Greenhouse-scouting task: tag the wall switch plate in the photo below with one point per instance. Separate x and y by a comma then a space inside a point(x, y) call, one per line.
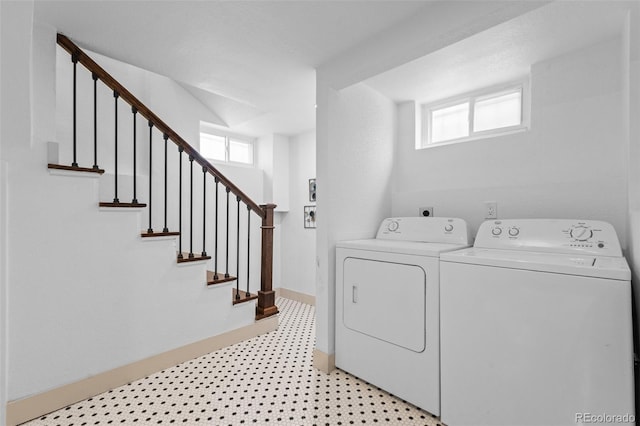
point(490, 210)
point(425, 211)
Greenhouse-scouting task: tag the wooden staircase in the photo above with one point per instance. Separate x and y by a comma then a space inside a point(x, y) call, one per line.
point(265, 297)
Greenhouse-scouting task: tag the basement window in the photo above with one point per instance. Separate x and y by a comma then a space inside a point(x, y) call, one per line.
point(483, 114)
point(227, 149)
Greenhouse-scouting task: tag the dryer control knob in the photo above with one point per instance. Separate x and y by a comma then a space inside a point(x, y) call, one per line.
point(496, 231)
point(393, 226)
point(514, 232)
point(448, 228)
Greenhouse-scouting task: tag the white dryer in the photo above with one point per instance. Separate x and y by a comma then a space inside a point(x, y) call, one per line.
point(536, 326)
point(387, 306)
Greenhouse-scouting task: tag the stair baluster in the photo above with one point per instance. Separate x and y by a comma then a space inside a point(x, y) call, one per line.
point(238, 251)
point(204, 211)
point(134, 110)
point(94, 76)
point(166, 139)
point(226, 272)
point(116, 95)
point(180, 150)
point(150, 229)
point(191, 209)
point(248, 245)
point(74, 59)
point(215, 243)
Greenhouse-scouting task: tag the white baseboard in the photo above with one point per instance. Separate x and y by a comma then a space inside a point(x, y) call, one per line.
point(323, 361)
point(296, 295)
point(22, 410)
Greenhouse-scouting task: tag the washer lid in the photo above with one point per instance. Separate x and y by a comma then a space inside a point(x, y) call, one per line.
point(401, 247)
point(573, 264)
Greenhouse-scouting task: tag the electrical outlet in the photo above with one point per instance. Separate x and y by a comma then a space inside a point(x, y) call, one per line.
point(425, 211)
point(490, 210)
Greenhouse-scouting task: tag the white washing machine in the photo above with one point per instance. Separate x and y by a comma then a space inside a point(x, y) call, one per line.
point(387, 306)
point(536, 326)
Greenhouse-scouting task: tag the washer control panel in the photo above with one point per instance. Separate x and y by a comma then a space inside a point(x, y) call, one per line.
point(425, 229)
point(550, 235)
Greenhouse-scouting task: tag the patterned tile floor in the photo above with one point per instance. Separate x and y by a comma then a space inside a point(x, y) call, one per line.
point(265, 380)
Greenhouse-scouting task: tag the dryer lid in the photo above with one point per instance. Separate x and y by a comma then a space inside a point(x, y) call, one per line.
point(401, 247)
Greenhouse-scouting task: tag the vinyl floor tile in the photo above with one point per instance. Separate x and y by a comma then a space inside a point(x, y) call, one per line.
point(267, 380)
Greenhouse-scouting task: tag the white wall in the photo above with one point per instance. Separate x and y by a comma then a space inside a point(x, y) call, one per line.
point(631, 102)
point(3, 244)
point(15, 131)
point(572, 163)
point(273, 159)
point(355, 139)
point(354, 190)
point(298, 243)
point(80, 282)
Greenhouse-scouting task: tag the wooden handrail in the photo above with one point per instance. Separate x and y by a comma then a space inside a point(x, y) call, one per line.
point(128, 97)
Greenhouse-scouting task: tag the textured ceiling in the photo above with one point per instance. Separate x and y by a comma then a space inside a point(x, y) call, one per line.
point(505, 52)
point(252, 62)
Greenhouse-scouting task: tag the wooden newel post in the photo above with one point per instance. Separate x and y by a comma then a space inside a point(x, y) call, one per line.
point(266, 296)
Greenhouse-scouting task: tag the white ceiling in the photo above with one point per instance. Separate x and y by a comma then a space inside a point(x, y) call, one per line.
point(251, 62)
point(505, 52)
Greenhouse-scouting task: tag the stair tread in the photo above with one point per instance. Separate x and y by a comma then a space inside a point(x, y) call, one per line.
point(74, 168)
point(123, 205)
point(244, 296)
point(196, 257)
point(144, 234)
point(221, 278)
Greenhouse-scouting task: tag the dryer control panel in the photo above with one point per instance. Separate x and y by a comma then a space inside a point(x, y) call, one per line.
point(550, 235)
point(425, 229)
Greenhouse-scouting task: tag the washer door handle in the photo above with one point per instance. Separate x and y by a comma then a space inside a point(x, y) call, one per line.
point(354, 294)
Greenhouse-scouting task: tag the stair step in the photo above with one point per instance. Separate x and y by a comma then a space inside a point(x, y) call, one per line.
point(123, 205)
point(196, 257)
point(221, 278)
point(244, 296)
point(75, 168)
point(158, 234)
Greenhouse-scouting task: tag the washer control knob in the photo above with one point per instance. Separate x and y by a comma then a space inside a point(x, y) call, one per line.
point(581, 233)
point(496, 231)
point(393, 226)
point(514, 231)
point(448, 227)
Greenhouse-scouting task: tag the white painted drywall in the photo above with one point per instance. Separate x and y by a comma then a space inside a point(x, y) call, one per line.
point(281, 172)
point(15, 139)
point(572, 163)
point(81, 283)
point(631, 102)
point(343, 161)
point(273, 158)
point(298, 243)
point(355, 140)
point(15, 131)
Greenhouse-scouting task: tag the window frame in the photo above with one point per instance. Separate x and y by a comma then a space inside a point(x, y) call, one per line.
point(228, 138)
point(425, 141)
